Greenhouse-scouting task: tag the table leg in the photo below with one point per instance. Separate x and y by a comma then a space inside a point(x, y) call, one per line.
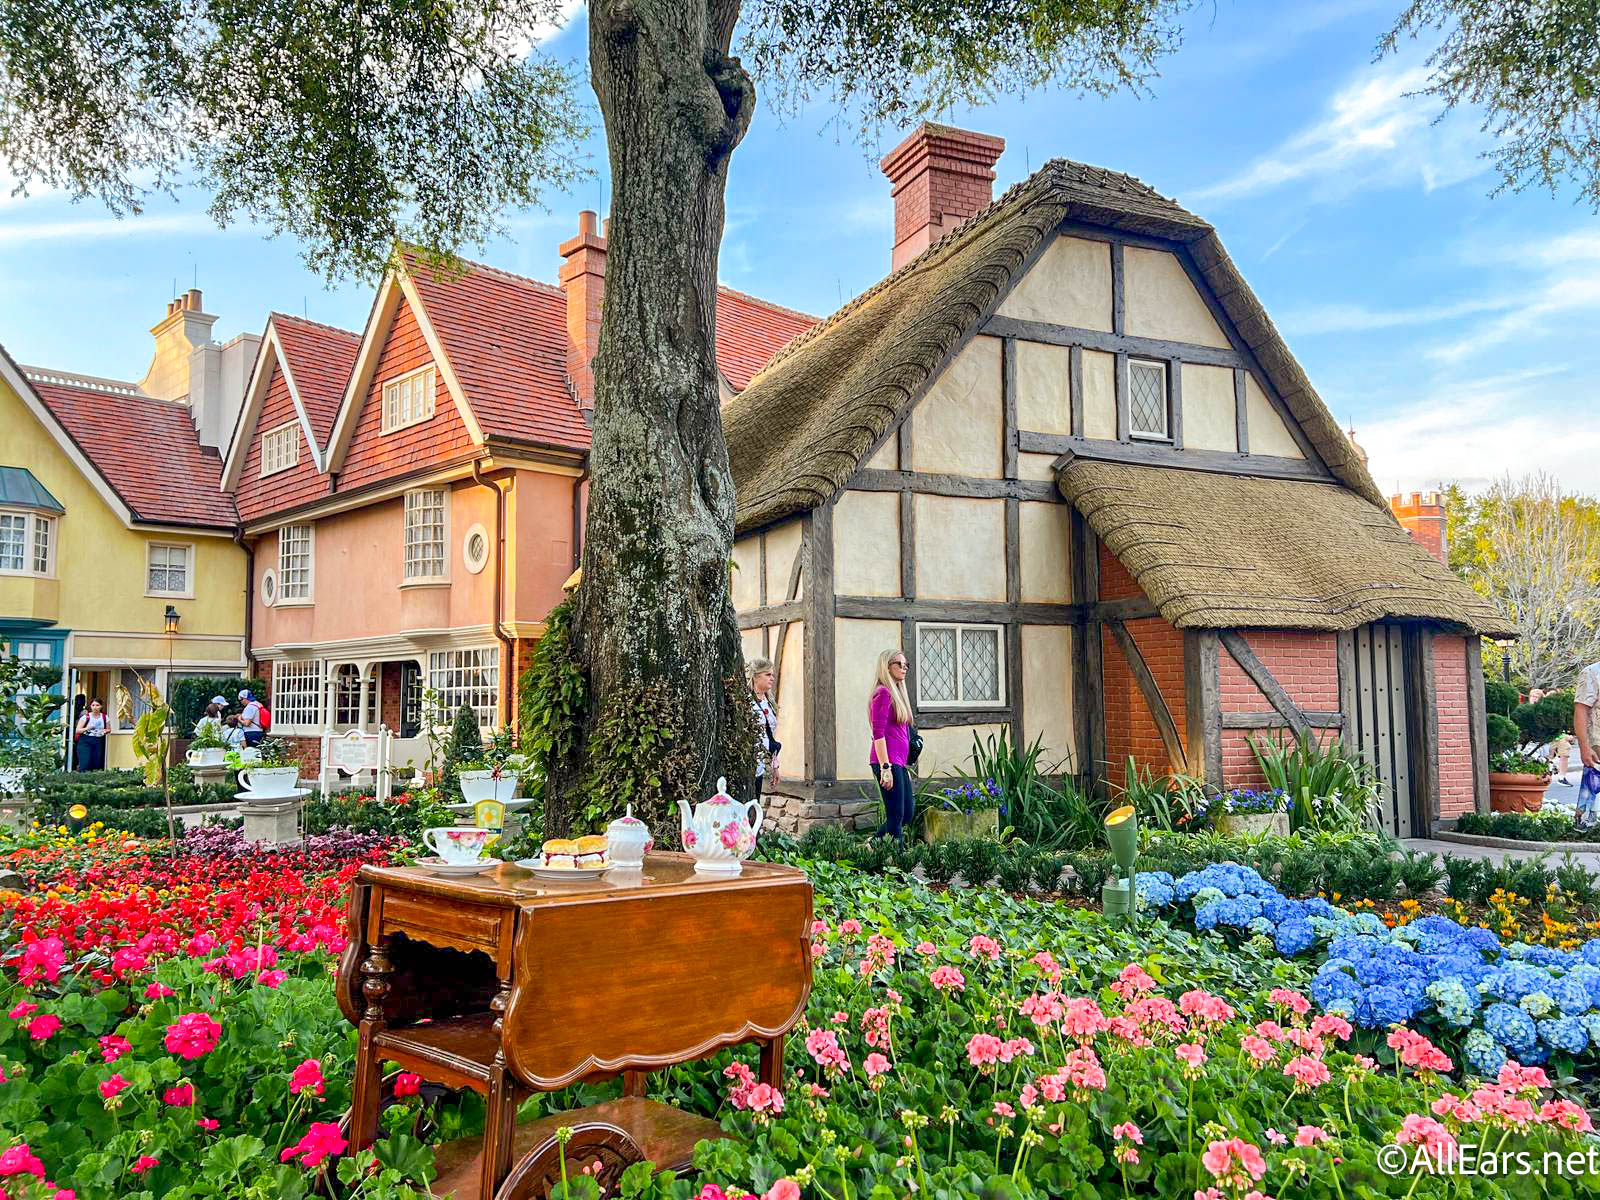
point(772, 1062)
point(498, 1126)
point(634, 1082)
point(367, 1100)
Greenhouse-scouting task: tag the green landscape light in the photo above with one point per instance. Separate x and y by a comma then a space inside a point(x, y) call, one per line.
point(1122, 832)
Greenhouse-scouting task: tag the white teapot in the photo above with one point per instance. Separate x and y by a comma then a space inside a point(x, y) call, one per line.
point(721, 832)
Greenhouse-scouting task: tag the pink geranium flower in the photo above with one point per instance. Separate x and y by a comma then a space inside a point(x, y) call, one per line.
point(23, 1010)
point(1002, 1109)
point(927, 949)
point(784, 1189)
point(1234, 1163)
point(113, 1047)
point(1202, 1008)
point(1436, 1141)
point(1310, 1135)
point(1567, 1115)
point(849, 928)
point(193, 1035)
point(1307, 1072)
point(948, 979)
point(113, 1087)
point(983, 1049)
point(876, 1064)
point(44, 1027)
point(208, 1123)
point(321, 1141)
point(1193, 1055)
point(158, 991)
point(307, 1077)
point(1257, 1048)
point(20, 1160)
point(1290, 999)
point(982, 946)
point(179, 1095)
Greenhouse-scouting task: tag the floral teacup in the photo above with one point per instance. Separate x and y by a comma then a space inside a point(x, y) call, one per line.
point(458, 844)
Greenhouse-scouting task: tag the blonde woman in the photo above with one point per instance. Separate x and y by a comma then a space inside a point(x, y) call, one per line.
point(762, 678)
point(889, 713)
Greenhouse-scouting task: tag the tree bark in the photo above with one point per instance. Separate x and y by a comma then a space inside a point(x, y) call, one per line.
point(653, 613)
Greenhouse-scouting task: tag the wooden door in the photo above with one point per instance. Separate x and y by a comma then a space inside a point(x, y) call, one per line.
point(1380, 720)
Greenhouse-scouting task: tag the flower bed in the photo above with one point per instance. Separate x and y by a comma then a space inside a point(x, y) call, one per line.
point(1548, 825)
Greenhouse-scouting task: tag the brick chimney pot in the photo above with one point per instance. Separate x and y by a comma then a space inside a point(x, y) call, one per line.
point(583, 279)
point(940, 176)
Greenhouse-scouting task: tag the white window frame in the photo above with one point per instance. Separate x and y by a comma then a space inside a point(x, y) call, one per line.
point(450, 675)
point(410, 569)
point(280, 448)
point(1148, 435)
point(32, 523)
point(297, 694)
point(347, 681)
point(961, 700)
point(409, 399)
point(188, 569)
point(291, 596)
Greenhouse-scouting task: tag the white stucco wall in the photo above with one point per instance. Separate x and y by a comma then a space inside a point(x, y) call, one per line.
point(857, 645)
point(1036, 466)
point(1070, 284)
point(1264, 428)
point(792, 702)
point(745, 582)
point(1208, 408)
point(1044, 552)
point(1044, 376)
point(960, 547)
point(957, 426)
point(888, 456)
point(949, 750)
point(783, 543)
point(1099, 395)
point(1160, 302)
point(1047, 690)
point(866, 544)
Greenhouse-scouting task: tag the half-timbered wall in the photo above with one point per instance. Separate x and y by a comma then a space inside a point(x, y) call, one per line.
point(769, 580)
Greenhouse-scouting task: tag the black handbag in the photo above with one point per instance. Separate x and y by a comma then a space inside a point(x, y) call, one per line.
point(913, 747)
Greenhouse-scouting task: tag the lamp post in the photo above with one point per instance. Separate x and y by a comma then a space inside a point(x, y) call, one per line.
point(170, 620)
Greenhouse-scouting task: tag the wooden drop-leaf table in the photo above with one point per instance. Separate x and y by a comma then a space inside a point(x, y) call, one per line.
point(509, 984)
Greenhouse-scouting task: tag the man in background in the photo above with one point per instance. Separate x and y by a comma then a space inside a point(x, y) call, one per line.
point(250, 718)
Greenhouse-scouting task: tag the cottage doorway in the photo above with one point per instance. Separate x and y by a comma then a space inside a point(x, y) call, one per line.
point(1382, 721)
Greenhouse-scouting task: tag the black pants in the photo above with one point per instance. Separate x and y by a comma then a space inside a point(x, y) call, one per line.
point(899, 804)
point(91, 753)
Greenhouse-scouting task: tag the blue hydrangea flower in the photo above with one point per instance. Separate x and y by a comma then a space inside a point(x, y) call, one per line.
point(1564, 1033)
point(1383, 1006)
point(1294, 937)
point(1590, 951)
point(1537, 1004)
point(1571, 996)
point(1483, 1054)
point(1591, 1025)
point(1454, 1002)
point(1511, 1027)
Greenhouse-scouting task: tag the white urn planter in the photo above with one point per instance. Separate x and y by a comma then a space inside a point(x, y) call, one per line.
point(213, 756)
point(477, 786)
point(1253, 824)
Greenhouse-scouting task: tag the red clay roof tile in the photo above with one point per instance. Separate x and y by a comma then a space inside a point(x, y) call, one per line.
point(321, 358)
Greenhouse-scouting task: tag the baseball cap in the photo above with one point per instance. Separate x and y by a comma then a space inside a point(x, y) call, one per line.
point(244, 693)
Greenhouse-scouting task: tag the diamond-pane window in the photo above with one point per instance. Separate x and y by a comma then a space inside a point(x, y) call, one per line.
point(959, 666)
point(1147, 400)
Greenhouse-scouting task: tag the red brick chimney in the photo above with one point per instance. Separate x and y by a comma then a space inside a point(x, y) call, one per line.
point(1422, 515)
point(941, 176)
point(583, 279)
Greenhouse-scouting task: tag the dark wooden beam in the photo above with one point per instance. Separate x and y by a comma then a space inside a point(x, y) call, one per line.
point(1241, 412)
point(1272, 720)
point(905, 445)
point(1158, 454)
point(821, 719)
point(1013, 629)
point(871, 479)
point(986, 612)
point(1119, 291)
point(1423, 703)
point(761, 547)
point(1008, 392)
point(1478, 724)
point(1102, 233)
point(945, 718)
point(1153, 699)
point(1088, 675)
point(1120, 386)
point(1202, 680)
point(1175, 402)
point(1113, 343)
point(772, 614)
point(1264, 679)
point(1128, 608)
point(1075, 382)
point(1345, 651)
point(908, 545)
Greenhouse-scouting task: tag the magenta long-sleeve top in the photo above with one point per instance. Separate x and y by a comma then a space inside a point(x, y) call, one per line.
point(895, 734)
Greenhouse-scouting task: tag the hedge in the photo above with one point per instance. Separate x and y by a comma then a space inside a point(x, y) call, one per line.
point(190, 696)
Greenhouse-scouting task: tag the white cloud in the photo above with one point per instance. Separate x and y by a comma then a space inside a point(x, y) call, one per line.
point(1358, 318)
point(1567, 286)
point(100, 228)
point(1374, 134)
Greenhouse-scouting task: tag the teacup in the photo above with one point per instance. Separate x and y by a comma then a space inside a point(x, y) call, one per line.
point(269, 781)
point(458, 844)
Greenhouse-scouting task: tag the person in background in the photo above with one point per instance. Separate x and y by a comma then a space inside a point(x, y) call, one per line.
point(889, 714)
point(90, 735)
point(1586, 727)
point(212, 719)
point(250, 718)
point(232, 735)
point(761, 677)
point(79, 703)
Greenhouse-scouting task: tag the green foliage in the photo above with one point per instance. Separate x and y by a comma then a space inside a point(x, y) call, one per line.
point(1547, 825)
point(277, 752)
point(1157, 803)
point(1420, 872)
point(1503, 734)
point(1058, 815)
point(554, 697)
point(977, 860)
point(1500, 698)
point(639, 754)
point(1547, 720)
point(30, 718)
point(189, 696)
point(1014, 872)
point(1328, 787)
point(941, 861)
point(1461, 877)
point(1090, 870)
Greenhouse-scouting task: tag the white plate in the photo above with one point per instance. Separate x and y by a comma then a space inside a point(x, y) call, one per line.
point(544, 872)
point(439, 867)
point(272, 797)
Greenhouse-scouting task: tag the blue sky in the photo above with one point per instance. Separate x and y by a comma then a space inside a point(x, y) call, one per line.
point(1455, 330)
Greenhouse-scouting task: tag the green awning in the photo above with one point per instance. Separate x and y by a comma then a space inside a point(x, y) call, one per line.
point(19, 489)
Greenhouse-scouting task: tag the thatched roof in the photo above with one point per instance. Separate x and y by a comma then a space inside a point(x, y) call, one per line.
point(1218, 551)
point(816, 410)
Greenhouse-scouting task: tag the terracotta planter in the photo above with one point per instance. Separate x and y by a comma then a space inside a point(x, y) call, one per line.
point(947, 825)
point(1253, 824)
point(1516, 793)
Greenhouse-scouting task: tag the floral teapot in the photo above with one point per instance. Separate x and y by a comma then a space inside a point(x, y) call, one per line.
point(720, 832)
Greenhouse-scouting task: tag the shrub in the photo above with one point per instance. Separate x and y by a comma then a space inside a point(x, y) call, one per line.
point(1047, 871)
point(1015, 871)
point(1547, 720)
point(1090, 871)
point(1420, 872)
point(939, 862)
point(189, 697)
point(1576, 881)
point(1328, 787)
point(1500, 698)
point(979, 859)
point(1503, 734)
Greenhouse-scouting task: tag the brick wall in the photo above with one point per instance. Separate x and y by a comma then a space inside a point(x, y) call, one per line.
point(391, 698)
point(1456, 794)
point(1306, 664)
point(1422, 516)
point(1130, 729)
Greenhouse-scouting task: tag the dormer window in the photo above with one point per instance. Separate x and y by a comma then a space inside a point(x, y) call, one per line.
point(1149, 405)
point(408, 400)
point(280, 448)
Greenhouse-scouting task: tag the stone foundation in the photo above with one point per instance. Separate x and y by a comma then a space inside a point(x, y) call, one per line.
point(794, 808)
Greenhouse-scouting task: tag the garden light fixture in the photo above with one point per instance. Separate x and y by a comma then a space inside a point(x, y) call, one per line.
point(1122, 832)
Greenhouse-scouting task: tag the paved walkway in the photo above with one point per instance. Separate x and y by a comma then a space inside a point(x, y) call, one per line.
point(1589, 858)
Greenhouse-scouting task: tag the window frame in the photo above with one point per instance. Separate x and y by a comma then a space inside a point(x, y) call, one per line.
point(394, 423)
point(283, 462)
point(283, 596)
point(287, 701)
point(188, 569)
point(407, 579)
point(1145, 435)
point(32, 521)
point(962, 701)
point(451, 697)
point(347, 713)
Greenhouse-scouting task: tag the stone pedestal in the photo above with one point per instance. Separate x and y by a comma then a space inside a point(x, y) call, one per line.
point(209, 775)
point(273, 824)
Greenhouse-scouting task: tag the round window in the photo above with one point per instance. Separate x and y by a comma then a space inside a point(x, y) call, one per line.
point(475, 549)
point(269, 587)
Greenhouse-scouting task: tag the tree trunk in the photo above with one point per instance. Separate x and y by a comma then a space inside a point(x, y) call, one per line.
point(654, 628)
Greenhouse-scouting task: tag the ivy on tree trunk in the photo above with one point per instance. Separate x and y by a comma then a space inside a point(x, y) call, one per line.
point(654, 617)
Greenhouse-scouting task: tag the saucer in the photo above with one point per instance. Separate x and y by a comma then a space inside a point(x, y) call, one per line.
point(271, 797)
point(439, 867)
point(540, 871)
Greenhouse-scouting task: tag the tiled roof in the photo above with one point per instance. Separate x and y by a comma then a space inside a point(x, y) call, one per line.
point(506, 339)
point(19, 487)
point(147, 451)
point(321, 358)
point(750, 331)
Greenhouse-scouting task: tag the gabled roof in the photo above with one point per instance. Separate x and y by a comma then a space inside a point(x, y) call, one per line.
point(19, 488)
point(750, 331)
point(1218, 551)
point(315, 361)
point(814, 412)
point(145, 450)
